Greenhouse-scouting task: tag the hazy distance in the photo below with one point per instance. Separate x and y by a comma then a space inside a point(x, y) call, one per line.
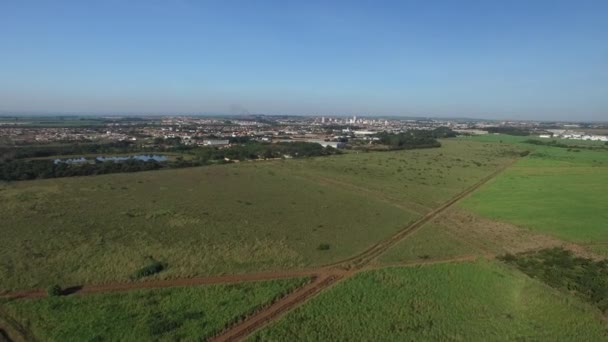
point(481, 59)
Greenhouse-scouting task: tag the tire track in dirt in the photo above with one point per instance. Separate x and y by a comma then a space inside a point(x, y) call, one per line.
point(456, 259)
point(349, 267)
point(158, 284)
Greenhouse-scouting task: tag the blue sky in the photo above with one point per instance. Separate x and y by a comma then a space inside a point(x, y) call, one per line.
point(488, 58)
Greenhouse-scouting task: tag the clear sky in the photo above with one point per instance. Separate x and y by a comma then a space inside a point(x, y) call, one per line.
point(488, 58)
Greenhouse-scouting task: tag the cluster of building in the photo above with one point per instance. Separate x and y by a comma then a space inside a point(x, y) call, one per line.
point(332, 131)
point(19, 135)
point(567, 134)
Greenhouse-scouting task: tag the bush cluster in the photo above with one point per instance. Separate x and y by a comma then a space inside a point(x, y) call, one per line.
point(561, 269)
point(414, 138)
point(151, 269)
point(54, 290)
point(15, 170)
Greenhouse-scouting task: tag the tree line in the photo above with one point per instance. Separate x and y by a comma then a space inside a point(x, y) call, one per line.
point(509, 130)
point(414, 138)
point(555, 143)
point(41, 151)
point(19, 169)
point(259, 150)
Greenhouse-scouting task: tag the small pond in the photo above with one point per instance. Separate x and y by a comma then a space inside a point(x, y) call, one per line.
point(142, 157)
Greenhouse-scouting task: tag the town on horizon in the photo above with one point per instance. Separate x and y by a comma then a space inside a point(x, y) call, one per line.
point(333, 130)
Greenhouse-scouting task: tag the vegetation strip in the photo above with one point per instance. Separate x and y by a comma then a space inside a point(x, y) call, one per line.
point(462, 258)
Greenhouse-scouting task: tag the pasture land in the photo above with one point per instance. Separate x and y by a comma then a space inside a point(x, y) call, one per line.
point(481, 301)
point(431, 242)
point(554, 190)
point(210, 220)
point(425, 178)
point(243, 217)
point(189, 313)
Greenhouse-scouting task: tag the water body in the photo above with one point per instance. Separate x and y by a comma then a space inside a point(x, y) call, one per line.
point(142, 157)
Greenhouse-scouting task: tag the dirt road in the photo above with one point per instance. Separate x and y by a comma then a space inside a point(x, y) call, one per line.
point(157, 284)
point(281, 307)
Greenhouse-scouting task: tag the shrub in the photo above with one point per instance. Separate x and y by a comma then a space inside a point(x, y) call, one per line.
point(54, 290)
point(323, 247)
point(153, 268)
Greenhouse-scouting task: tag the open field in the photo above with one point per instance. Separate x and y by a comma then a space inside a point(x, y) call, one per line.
point(426, 177)
point(211, 220)
point(233, 218)
point(189, 313)
point(481, 301)
point(290, 214)
point(504, 138)
point(553, 191)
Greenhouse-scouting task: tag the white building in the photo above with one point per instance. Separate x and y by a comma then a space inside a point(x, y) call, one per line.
point(216, 143)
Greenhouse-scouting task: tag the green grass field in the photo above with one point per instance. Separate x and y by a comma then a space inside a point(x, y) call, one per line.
point(232, 218)
point(482, 301)
point(431, 242)
point(185, 314)
point(504, 138)
point(553, 190)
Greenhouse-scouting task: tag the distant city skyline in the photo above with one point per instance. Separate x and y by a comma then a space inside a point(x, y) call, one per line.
point(515, 60)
